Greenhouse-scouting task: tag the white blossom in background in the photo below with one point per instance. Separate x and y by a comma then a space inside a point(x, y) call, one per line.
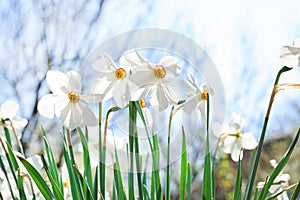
point(8, 110)
point(66, 102)
point(156, 80)
point(198, 97)
point(290, 55)
point(235, 139)
point(280, 183)
point(113, 81)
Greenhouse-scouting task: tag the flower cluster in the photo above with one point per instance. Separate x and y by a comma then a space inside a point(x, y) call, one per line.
point(135, 79)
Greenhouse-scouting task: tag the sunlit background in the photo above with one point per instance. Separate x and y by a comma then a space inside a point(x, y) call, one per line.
point(243, 38)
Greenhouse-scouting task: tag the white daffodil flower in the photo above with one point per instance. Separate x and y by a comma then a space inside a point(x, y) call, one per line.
point(280, 183)
point(66, 101)
point(112, 80)
point(235, 140)
point(290, 55)
point(8, 110)
point(198, 97)
point(156, 80)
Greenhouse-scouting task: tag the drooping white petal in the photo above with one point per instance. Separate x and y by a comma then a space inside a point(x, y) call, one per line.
point(75, 81)
point(228, 142)
point(104, 65)
point(51, 105)
point(171, 66)
point(236, 150)
point(191, 104)
point(158, 98)
point(143, 78)
point(206, 87)
point(58, 82)
point(8, 109)
point(19, 122)
point(92, 98)
point(121, 93)
point(88, 116)
point(249, 142)
point(172, 92)
point(71, 116)
point(290, 56)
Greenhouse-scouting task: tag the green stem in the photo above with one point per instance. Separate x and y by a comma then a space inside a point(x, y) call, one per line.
point(262, 137)
point(132, 126)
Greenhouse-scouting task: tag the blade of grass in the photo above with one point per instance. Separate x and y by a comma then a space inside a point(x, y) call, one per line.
point(183, 168)
point(6, 177)
point(132, 126)
point(279, 167)
point(51, 161)
point(84, 184)
point(21, 186)
point(296, 192)
point(189, 181)
point(55, 186)
point(38, 179)
point(155, 165)
point(95, 185)
point(238, 183)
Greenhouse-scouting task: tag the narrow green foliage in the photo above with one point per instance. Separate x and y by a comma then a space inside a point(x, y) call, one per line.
point(6, 177)
point(279, 167)
point(155, 169)
point(238, 182)
point(95, 184)
point(132, 127)
point(7, 136)
point(21, 186)
point(296, 192)
point(189, 181)
point(38, 179)
point(85, 186)
point(51, 163)
point(183, 168)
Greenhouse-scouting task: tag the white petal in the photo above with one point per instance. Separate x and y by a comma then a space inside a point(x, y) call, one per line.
point(249, 142)
point(75, 81)
point(104, 65)
point(171, 66)
point(169, 61)
point(121, 93)
point(131, 60)
point(102, 86)
point(236, 155)
point(71, 116)
point(158, 99)
point(8, 109)
point(50, 105)
point(19, 122)
point(172, 92)
point(228, 143)
point(191, 104)
point(207, 88)
point(237, 121)
point(142, 78)
point(236, 147)
point(92, 98)
point(58, 82)
point(88, 116)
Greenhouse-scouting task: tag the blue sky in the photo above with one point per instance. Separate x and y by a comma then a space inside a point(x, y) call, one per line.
point(243, 38)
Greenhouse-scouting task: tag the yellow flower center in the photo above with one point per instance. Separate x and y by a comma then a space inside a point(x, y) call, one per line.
point(66, 184)
point(74, 97)
point(204, 95)
point(159, 71)
point(120, 73)
point(238, 135)
point(142, 103)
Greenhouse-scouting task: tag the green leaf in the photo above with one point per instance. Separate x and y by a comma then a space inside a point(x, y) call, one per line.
point(279, 167)
point(238, 183)
point(55, 185)
point(7, 136)
point(21, 186)
point(296, 192)
point(84, 184)
point(189, 181)
point(95, 185)
point(183, 168)
point(6, 176)
point(38, 179)
point(51, 160)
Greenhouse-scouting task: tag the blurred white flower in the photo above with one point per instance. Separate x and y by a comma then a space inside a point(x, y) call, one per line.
point(280, 183)
point(8, 110)
point(65, 100)
point(198, 97)
point(290, 55)
point(235, 140)
point(156, 80)
point(112, 80)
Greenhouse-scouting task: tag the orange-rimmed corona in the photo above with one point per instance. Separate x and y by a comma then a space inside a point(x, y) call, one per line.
point(159, 71)
point(120, 73)
point(143, 103)
point(73, 97)
point(204, 95)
